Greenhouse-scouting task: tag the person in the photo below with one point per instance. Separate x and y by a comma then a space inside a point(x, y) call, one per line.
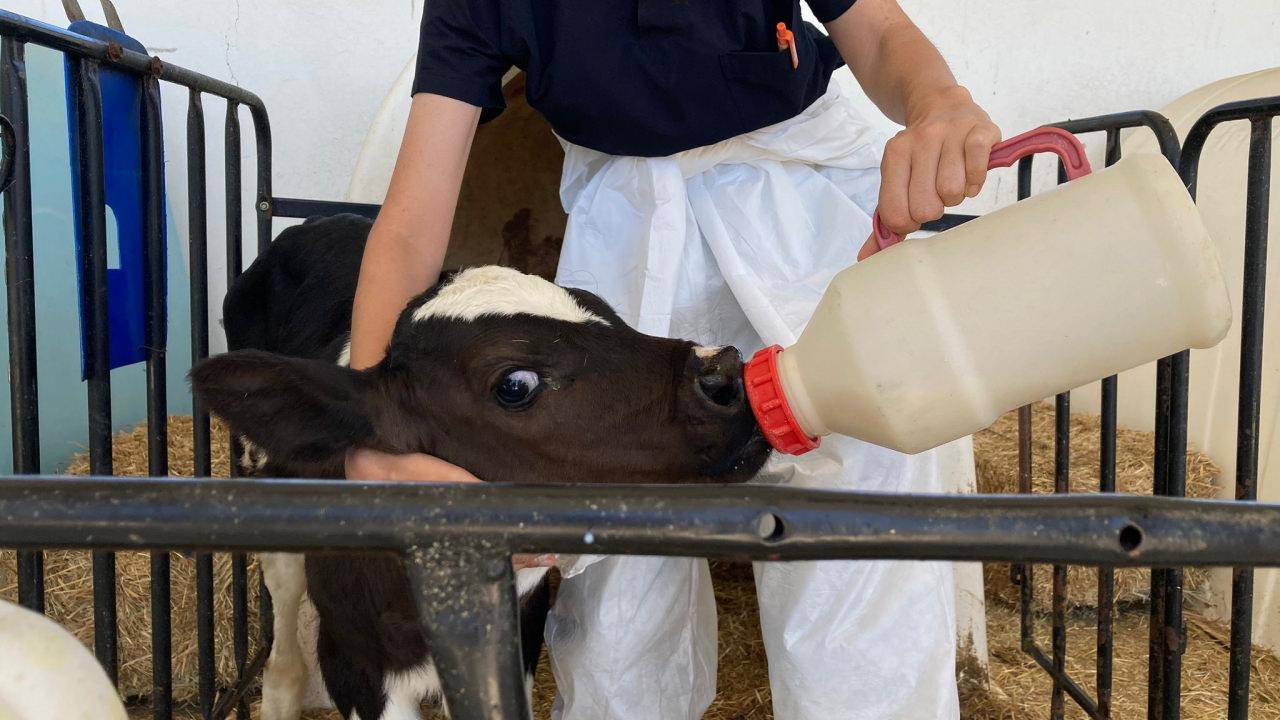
point(716, 178)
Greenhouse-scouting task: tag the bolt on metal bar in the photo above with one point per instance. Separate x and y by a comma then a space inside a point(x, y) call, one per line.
point(91, 210)
point(262, 139)
point(1259, 113)
point(19, 269)
point(157, 407)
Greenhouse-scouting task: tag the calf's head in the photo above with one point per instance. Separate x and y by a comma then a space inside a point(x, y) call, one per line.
point(510, 377)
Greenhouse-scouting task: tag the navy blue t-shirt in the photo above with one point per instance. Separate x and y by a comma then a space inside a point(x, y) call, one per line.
point(631, 77)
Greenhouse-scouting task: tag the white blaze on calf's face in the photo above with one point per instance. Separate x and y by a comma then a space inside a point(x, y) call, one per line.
point(501, 291)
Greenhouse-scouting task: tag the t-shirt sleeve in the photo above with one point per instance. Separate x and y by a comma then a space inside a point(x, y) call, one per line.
point(459, 52)
point(827, 10)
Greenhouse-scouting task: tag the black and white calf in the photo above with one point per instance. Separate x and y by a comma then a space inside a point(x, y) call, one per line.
point(504, 374)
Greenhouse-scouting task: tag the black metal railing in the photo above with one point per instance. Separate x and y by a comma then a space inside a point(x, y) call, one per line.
point(457, 540)
point(85, 57)
point(461, 537)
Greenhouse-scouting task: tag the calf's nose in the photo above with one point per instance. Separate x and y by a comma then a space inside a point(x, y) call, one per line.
point(719, 379)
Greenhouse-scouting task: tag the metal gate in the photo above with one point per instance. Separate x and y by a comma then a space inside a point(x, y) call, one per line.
point(461, 537)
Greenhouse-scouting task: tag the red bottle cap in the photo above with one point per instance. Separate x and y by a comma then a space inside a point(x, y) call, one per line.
point(769, 403)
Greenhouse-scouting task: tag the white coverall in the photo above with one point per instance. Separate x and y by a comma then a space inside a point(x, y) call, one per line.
point(735, 243)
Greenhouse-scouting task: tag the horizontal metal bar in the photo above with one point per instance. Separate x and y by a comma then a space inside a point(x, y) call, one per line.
point(300, 208)
point(24, 29)
point(707, 521)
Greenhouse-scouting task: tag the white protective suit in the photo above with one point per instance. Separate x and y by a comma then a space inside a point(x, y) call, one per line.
point(734, 244)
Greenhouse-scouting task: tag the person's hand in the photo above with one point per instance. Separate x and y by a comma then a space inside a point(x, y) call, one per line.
point(936, 161)
point(373, 465)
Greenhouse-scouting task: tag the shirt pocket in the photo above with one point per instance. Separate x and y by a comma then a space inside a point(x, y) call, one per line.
point(765, 87)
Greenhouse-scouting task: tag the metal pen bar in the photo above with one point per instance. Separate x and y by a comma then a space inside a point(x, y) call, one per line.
point(1256, 224)
point(1061, 485)
point(1155, 624)
point(1069, 685)
point(157, 406)
point(87, 106)
point(238, 692)
point(24, 29)
point(1023, 574)
point(1107, 484)
point(298, 208)
point(711, 521)
point(1258, 111)
point(262, 139)
point(235, 261)
point(19, 274)
point(198, 234)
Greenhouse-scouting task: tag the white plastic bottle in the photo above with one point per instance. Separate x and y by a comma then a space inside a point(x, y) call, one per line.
point(933, 339)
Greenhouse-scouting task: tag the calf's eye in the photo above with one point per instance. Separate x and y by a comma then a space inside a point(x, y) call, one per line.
point(517, 388)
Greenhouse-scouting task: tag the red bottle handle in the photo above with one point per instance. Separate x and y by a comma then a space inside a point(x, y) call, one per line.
point(1044, 139)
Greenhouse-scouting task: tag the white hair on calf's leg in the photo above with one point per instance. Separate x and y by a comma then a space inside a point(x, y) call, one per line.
point(501, 291)
point(284, 681)
point(344, 356)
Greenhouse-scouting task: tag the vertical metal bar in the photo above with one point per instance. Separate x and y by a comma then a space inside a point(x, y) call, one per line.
point(1024, 575)
point(473, 630)
point(1174, 632)
point(1107, 484)
point(1156, 640)
point(235, 235)
point(235, 228)
point(19, 275)
point(196, 200)
point(1061, 484)
point(262, 136)
point(1256, 224)
point(157, 410)
point(262, 139)
point(87, 104)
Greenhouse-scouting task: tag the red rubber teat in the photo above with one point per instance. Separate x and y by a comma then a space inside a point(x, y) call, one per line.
point(769, 403)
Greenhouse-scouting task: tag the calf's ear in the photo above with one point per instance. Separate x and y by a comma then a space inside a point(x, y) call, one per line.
point(300, 412)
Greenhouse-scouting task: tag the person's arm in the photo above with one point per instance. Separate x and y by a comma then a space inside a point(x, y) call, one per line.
point(407, 245)
point(940, 158)
point(404, 254)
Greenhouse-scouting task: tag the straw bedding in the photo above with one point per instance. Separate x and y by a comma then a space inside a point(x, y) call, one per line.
point(69, 585)
point(1015, 687)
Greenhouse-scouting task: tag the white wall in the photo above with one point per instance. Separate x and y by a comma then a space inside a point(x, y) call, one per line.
point(323, 67)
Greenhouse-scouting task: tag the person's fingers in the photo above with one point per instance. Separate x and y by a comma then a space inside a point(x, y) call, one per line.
point(366, 464)
point(924, 203)
point(977, 155)
point(951, 177)
point(895, 179)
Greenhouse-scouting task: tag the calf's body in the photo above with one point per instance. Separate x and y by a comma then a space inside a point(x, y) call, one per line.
point(504, 374)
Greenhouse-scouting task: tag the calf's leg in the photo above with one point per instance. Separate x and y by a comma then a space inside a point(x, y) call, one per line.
point(284, 680)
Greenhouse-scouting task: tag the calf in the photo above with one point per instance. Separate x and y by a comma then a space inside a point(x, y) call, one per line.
point(504, 374)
